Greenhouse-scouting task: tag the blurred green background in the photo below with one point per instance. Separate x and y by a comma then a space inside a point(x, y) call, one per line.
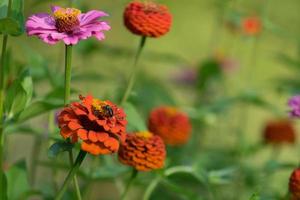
point(199, 31)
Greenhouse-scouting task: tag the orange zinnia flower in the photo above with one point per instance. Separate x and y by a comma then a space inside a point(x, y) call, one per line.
point(294, 184)
point(143, 151)
point(172, 125)
point(251, 25)
point(100, 125)
point(147, 19)
point(279, 132)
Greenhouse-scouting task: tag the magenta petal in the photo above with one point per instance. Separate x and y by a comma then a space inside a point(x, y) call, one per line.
point(43, 26)
point(55, 8)
point(91, 16)
point(100, 35)
point(71, 40)
point(41, 20)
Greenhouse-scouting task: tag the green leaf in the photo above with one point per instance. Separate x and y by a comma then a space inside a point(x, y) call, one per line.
point(208, 71)
point(19, 94)
point(59, 147)
point(3, 195)
point(10, 26)
point(39, 107)
point(17, 13)
point(17, 182)
point(3, 8)
point(221, 177)
point(12, 23)
point(255, 196)
point(135, 121)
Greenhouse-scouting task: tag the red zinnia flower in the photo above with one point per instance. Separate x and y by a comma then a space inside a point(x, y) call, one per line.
point(251, 25)
point(279, 131)
point(172, 125)
point(100, 125)
point(143, 151)
point(294, 184)
point(147, 19)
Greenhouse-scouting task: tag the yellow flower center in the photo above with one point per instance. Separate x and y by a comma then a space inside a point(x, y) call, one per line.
point(102, 109)
point(66, 19)
point(144, 134)
point(150, 6)
point(171, 111)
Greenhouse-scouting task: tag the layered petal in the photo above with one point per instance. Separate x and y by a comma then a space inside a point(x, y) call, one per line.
point(80, 122)
point(147, 19)
point(172, 125)
point(143, 151)
point(64, 25)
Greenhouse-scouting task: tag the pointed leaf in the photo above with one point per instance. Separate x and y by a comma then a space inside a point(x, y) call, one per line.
point(135, 121)
point(39, 107)
point(59, 147)
point(17, 181)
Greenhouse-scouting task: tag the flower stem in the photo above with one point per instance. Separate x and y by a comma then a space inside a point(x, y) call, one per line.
point(75, 181)
point(134, 71)
point(68, 73)
point(133, 176)
point(71, 174)
point(68, 69)
point(2, 94)
point(2, 86)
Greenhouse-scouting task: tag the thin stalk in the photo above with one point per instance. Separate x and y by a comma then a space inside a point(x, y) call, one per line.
point(68, 70)
point(34, 157)
point(75, 181)
point(134, 71)
point(2, 94)
point(2, 85)
point(133, 176)
point(68, 73)
point(72, 172)
point(151, 187)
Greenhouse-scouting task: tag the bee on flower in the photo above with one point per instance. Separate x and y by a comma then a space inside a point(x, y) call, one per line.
point(99, 125)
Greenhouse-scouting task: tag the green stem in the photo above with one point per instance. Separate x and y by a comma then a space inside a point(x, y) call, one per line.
point(2, 94)
point(2, 85)
point(68, 73)
point(68, 69)
point(71, 174)
point(133, 176)
point(151, 187)
point(134, 71)
point(34, 158)
point(75, 181)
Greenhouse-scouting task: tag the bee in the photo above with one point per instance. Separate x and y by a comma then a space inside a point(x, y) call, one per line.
point(107, 111)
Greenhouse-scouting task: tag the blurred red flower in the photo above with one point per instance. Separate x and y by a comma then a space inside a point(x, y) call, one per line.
point(170, 124)
point(143, 151)
point(147, 19)
point(251, 25)
point(279, 131)
point(100, 125)
point(294, 184)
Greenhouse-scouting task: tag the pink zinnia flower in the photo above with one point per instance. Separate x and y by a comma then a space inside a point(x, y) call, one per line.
point(67, 24)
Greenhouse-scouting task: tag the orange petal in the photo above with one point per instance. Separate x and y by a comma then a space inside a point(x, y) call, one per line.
point(65, 132)
point(79, 111)
point(74, 126)
point(82, 133)
point(102, 136)
point(93, 136)
point(112, 144)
